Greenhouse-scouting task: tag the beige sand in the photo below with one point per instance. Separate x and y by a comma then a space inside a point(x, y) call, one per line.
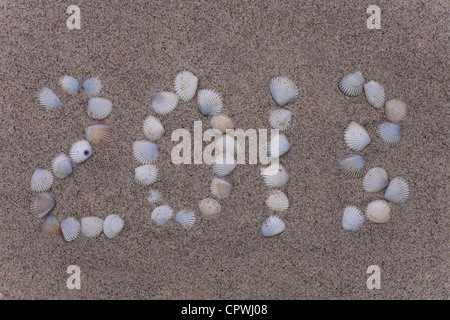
point(234, 47)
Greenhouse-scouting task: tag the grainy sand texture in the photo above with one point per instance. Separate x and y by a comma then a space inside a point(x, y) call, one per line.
point(137, 48)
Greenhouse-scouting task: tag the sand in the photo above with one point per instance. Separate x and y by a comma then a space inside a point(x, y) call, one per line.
point(235, 48)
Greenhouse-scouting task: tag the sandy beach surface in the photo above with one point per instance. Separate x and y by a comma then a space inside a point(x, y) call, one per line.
point(235, 48)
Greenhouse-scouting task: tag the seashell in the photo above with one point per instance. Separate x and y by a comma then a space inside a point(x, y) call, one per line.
point(275, 175)
point(164, 102)
point(376, 179)
point(222, 122)
point(378, 211)
point(280, 119)
point(161, 214)
point(220, 188)
point(80, 151)
point(145, 152)
point(185, 218)
point(41, 180)
point(99, 108)
point(352, 219)
point(277, 201)
point(228, 144)
point(352, 84)
point(70, 228)
point(112, 225)
point(374, 94)
point(186, 85)
point(353, 166)
point(278, 146)
point(153, 128)
point(154, 196)
point(272, 226)
point(48, 99)
point(283, 90)
point(209, 102)
point(51, 225)
point(91, 227)
point(209, 207)
point(97, 133)
point(146, 175)
point(69, 85)
point(397, 190)
point(42, 204)
point(356, 137)
point(92, 86)
point(389, 132)
point(61, 166)
point(224, 164)
point(395, 110)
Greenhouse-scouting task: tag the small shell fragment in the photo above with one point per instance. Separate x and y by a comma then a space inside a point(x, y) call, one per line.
point(378, 211)
point(186, 85)
point(280, 119)
point(92, 86)
point(112, 225)
point(164, 102)
point(389, 132)
point(97, 133)
point(99, 108)
point(222, 122)
point(374, 94)
point(80, 151)
point(397, 190)
point(352, 84)
point(376, 179)
point(352, 219)
point(356, 137)
point(272, 226)
point(353, 166)
point(145, 152)
point(61, 166)
point(161, 214)
point(154, 196)
point(48, 99)
point(146, 174)
point(41, 180)
point(275, 175)
point(209, 207)
point(395, 110)
point(70, 228)
point(283, 90)
point(51, 225)
point(277, 201)
point(69, 85)
point(220, 188)
point(91, 227)
point(185, 218)
point(42, 204)
point(209, 102)
point(153, 128)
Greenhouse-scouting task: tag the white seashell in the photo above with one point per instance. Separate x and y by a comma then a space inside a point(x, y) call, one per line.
point(224, 164)
point(209, 102)
point(153, 128)
point(91, 227)
point(69, 85)
point(80, 151)
point(51, 225)
point(70, 228)
point(395, 110)
point(186, 85)
point(275, 175)
point(161, 214)
point(378, 211)
point(220, 188)
point(376, 179)
point(112, 225)
point(41, 180)
point(154, 196)
point(397, 190)
point(277, 201)
point(280, 119)
point(374, 94)
point(146, 175)
point(272, 226)
point(185, 218)
point(283, 90)
point(389, 132)
point(42, 204)
point(227, 143)
point(352, 219)
point(352, 84)
point(164, 102)
point(209, 207)
point(99, 108)
point(145, 152)
point(356, 137)
point(222, 122)
point(353, 166)
point(92, 86)
point(97, 133)
point(278, 146)
point(48, 99)
point(61, 166)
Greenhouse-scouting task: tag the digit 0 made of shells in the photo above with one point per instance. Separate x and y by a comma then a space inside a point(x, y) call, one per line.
point(280, 119)
point(145, 152)
point(353, 166)
point(48, 99)
point(275, 175)
point(80, 151)
point(374, 94)
point(272, 226)
point(186, 85)
point(352, 219)
point(378, 211)
point(69, 85)
point(209, 207)
point(356, 137)
point(161, 214)
point(397, 190)
point(185, 218)
point(209, 102)
point(112, 226)
point(41, 180)
point(283, 90)
point(376, 179)
point(395, 110)
point(92, 86)
point(97, 134)
point(352, 84)
point(164, 102)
